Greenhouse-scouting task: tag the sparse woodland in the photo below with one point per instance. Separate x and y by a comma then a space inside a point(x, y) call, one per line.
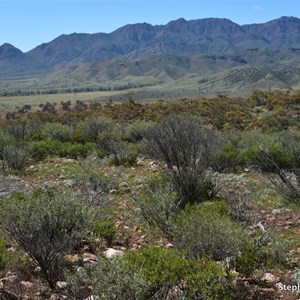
point(185, 199)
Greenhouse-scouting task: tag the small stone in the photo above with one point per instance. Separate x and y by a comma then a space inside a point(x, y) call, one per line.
point(61, 284)
point(89, 258)
point(135, 246)
point(169, 246)
point(113, 191)
point(112, 253)
point(269, 277)
point(26, 284)
point(54, 297)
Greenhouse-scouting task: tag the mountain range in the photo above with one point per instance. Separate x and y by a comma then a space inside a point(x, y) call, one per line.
point(206, 53)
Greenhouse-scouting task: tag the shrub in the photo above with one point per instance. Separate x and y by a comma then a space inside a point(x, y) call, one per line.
point(4, 256)
point(15, 157)
point(57, 132)
point(166, 269)
point(137, 131)
point(91, 181)
point(246, 262)
point(108, 280)
point(239, 204)
point(92, 128)
point(200, 230)
point(157, 204)
point(188, 150)
point(41, 149)
point(5, 140)
point(19, 131)
point(45, 227)
point(230, 158)
point(105, 229)
point(123, 153)
point(285, 182)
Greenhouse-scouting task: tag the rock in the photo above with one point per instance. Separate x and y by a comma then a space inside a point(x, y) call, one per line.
point(89, 258)
point(169, 246)
point(61, 284)
point(135, 246)
point(140, 162)
point(113, 191)
point(92, 298)
point(37, 270)
point(12, 249)
point(9, 278)
point(269, 277)
point(26, 284)
point(54, 297)
point(112, 253)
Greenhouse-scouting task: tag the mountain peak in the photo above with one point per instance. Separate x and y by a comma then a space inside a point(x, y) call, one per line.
point(7, 50)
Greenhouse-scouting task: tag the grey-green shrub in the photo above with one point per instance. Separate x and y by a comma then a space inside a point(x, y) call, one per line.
point(15, 157)
point(107, 280)
point(57, 132)
point(91, 128)
point(203, 231)
point(188, 150)
point(45, 227)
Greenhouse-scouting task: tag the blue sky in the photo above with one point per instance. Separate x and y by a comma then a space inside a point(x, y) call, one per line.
point(27, 24)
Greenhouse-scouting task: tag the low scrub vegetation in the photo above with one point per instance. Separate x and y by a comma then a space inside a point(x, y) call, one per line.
point(191, 199)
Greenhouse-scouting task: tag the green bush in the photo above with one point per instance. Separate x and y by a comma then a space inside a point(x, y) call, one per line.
point(4, 256)
point(264, 155)
point(57, 132)
point(230, 158)
point(45, 227)
point(107, 280)
point(166, 268)
point(105, 229)
point(200, 230)
point(246, 263)
point(41, 149)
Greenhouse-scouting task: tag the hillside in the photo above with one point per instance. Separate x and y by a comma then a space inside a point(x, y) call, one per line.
point(141, 55)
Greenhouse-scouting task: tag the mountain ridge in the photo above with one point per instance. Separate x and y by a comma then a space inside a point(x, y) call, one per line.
point(137, 52)
point(178, 37)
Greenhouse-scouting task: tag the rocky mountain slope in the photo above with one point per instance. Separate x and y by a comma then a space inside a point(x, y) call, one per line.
point(157, 54)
